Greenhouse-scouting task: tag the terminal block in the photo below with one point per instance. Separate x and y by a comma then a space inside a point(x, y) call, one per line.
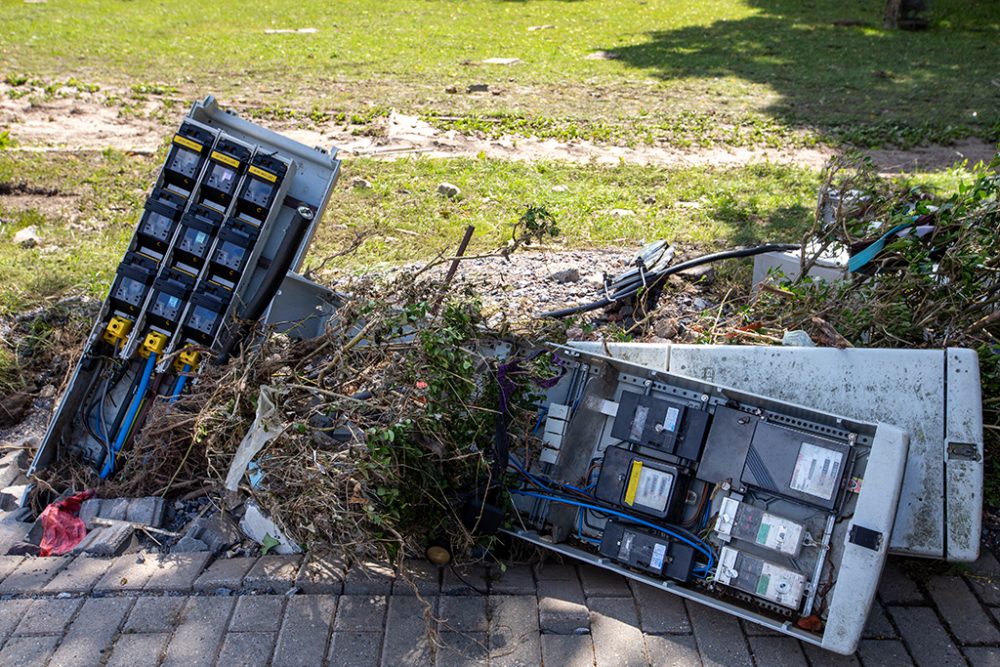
point(131, 285)
point(226, 164)
point(117, 331)
point(188, 151)
point(260, 188)
point(154, 343)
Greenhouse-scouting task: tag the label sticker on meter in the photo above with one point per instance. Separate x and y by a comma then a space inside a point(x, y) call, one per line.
point(659, 553)
point(816, 471)
point(649, 487)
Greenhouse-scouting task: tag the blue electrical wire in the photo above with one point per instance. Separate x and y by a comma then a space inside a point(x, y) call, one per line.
point(579, 530)
point(697, 544)
point(179, 385)
point(133, 409)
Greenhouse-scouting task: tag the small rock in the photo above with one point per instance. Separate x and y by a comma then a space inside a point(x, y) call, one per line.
point(451, 90)
point(501, 61)
point(223, 592)
point(48, 391)
point(621, 213)
point(533, 28)
point(704, 273)
point(665, 328)
point(449, 190)
point(27, 237)
point(560, 188)
point(359, 183)
point(567, 275)
point(64, 595)
point(477, 88)
point(188, 544)
point(651, 199)
point(700, 304)
point(600, 55)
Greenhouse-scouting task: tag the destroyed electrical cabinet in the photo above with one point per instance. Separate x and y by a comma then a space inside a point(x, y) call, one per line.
point(225, 226)
point(768, 483)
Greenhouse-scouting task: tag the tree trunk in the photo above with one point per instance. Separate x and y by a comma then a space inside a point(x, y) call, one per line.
point(892, 10)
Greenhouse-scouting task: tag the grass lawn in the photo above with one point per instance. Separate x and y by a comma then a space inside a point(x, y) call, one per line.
point(780, 70)
point(85, 206)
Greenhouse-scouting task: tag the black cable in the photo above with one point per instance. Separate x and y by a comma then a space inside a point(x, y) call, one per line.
point(282, 261)
point(655, 278)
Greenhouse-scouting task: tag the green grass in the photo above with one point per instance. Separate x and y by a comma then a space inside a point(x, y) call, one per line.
point(402, 216)
point(779, 66)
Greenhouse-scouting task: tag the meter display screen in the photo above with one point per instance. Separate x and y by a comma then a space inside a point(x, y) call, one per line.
point(202, 319)
point(130, 291)
point(167, 306)
point(229, 255)
point(221, 178)
point(194, 241)
point(184, 162)
point(157, 225)
point(258, 192)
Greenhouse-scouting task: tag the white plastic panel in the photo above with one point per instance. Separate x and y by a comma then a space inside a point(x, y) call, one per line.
point(963, 451)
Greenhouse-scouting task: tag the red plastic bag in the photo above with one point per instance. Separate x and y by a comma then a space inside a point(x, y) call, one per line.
point(62, 528)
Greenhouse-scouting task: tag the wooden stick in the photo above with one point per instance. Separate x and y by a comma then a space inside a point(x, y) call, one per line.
point(453, 268)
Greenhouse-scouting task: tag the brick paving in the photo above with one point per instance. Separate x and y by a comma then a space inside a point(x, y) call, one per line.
point(141, 609)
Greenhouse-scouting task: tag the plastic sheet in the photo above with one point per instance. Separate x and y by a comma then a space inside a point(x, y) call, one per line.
point(62, 528)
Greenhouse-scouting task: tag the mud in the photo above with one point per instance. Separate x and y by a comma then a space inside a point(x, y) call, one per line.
point(87, 122)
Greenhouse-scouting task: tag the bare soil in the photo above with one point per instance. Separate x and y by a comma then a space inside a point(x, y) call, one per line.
point(86, 122)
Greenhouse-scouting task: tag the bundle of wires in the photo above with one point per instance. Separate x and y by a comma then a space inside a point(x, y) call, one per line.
point(567, 494)
point(652, 268)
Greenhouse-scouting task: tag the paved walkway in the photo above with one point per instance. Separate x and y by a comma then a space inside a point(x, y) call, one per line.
point(283, 611)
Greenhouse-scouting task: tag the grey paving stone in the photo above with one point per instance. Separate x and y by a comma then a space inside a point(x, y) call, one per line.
point(987, 587)
point(360, 613)
point(961, 611)
point(355, 649)
point(32, 574)
point(600, 583)
point(615, 627)
point(27, 651)
point(224, 573)
point(177, 572)
point(321, 574)
point(561, 606)
point(422, 575)
point(459, 649)
point(465, 580)
point(820, 658)
point(982, 656)
point(515, 580)
point(8, 564)
point(719, 637)
point(568, 650)
point(896, 587)
point(140, 650)
point(659, 611)
point(777, 652)
point(751, 629)
point(11, 613)
point(406, 642)
point(878, 625)
point(926, 638)
point(986, 565)
point(884, 653)
point(257, 613)
point(273, 574)
point(196, 640)
point(305, 631)
point(114, 508)
point(155, 614)
point(514, 631)
point(90, 636)
point(247, 649)
point(463, 614)
point(129, 572)
point(79, 576)
point(673, 651)
point(369, 579)
point(48, 616)
point(552, 571)
point(148, 511)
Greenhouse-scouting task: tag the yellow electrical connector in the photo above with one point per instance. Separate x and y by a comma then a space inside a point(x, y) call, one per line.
point(154, 344)
point(117, 330)
point(188, 357)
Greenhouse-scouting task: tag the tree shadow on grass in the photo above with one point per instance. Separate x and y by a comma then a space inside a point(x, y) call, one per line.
point(855, 82)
